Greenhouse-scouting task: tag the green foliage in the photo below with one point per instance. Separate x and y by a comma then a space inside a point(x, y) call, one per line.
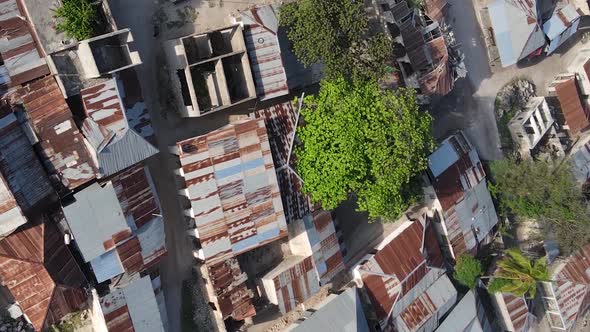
point(542, 191)
point(467, 271)
point(362, 140)
point(73, 322)
point(335, 32)
point(78, 18)
point(518, 274)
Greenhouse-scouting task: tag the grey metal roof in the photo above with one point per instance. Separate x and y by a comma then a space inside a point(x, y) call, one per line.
point(466, 316)
point(93, 219)
point(127, 151)
point(142, 306)
point(342, 313)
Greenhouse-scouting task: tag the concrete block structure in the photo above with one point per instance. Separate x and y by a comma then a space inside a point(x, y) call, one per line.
point(210, 71)
point(530, 125)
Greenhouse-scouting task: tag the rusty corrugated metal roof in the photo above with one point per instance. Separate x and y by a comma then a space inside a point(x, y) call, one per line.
point(132, 308)
point(261, 26)
point(137, 114)
point(438, 81)
point(41, 273)
point(517, 310)
point(458, 179)
point(280, 120)
point(232, 186)
point(64, 148)
point(19, 164)
point(403, 261)
point(229, 284)
point(435, 9)
point(576, 115)
point(10, 213)
point(106, 127)
point(295, 280)
point(22, 57)
point(327, 255)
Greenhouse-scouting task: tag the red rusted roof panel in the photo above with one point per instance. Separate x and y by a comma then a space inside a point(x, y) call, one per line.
point(576, 115)
point(63, 146)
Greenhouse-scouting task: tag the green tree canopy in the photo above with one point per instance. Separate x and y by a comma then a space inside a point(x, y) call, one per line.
point(336, 33)
point(78, 18)
point(540, 190)
point(360, 139)
point(518, 274)
point(467, 271)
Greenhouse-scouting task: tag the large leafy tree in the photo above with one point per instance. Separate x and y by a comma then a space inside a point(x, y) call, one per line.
point(467, 271)
point(358, 139)
point(336, 33)
point(542, 191)
point(518, 274)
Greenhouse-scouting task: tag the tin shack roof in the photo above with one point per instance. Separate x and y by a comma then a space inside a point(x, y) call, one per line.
point(327, 256)
point(343, 312)
point(280, 120)
point(22, 57)
point(295, 280)
point(469, 315)
point(402, 261)
point(41, 273)
point(562, 18)
point(126, 232)
point(107, 128)
point(458, 179)
point(516, 31)
point(132, 308)
point(232, 186)
point(229, 283)
point(137, 114)
point(261, 26)
point(19, 164)
point(568, 94)
point(65, 150)
point(440, 80)
point(11, 216)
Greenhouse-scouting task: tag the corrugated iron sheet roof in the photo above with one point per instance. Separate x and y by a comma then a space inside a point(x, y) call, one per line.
point(232, 186)
point(402, 260)
point(343, 313)
point(295, 280)
point(117, 147)
point(229, 284)
point(439, 81)
point(576, 115)
point(11, 216)
point(327, 256)
point(18, 48)
point(435, 9)
point(280, 120)
point(96, 220)
point(562, 18)
point(132, 308)
point(518, 311)
point(19, 164)
point(64, 148)
point(261, 26)
point(426, 307)
point(467, 316)
point(515, 27)
point(137, 114)
point(458, 179)
point(41, 273)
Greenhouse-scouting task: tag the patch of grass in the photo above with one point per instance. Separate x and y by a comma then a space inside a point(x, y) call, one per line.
point(187, 305)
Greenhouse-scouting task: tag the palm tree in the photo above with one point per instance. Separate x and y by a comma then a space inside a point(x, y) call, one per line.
point(518, 275)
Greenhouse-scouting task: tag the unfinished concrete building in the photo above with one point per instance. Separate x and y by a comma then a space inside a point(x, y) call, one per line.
point(530, 125)
point(210, 71)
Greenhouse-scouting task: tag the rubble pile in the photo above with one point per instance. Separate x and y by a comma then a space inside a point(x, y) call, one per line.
point(514, 96)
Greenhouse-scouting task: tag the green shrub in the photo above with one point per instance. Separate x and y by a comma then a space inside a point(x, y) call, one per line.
point(78, 18)
point(467, 271)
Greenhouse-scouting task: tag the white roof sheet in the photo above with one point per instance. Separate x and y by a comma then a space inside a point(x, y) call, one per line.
point(513, 31)
point(94, 218)
point(442, 158)
point(142, 306)
point(107, 266)
point(560, 21)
